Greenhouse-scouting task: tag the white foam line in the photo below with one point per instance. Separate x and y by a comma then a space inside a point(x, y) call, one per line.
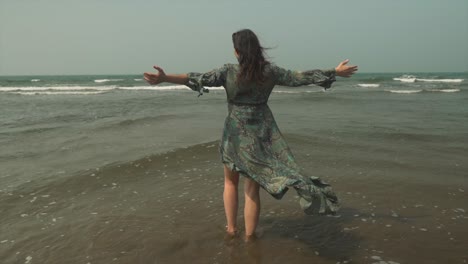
point(404, 91)
point(156, 88)
point(369, 85)
point(441, 80)
point(58, 88)
point(406, 80)
point(445, 90)
point(107, 80)
point(56, 93)
point(100, 88)
point(163, 88)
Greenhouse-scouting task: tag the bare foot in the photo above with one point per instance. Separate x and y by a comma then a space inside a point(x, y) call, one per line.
point(231, 232)
point(250, 238)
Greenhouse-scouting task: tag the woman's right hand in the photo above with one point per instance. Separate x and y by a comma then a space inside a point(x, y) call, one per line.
point(155, 78)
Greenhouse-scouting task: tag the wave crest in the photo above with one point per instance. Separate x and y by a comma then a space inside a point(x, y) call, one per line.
point(424, 90)
point(58, 93)
point(441, 80)
point(412, 79)
point(369, 85)
point(404, 91)
point(107, 80)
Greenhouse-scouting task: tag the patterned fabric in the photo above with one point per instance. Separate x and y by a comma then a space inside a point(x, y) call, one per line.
point(252, 143)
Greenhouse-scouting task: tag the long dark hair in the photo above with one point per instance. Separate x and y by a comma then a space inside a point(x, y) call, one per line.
point(251, 56)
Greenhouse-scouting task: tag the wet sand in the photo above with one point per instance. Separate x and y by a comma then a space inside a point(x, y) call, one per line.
point(168, 208)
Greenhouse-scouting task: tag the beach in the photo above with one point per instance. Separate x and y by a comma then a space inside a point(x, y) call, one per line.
point(104, 169)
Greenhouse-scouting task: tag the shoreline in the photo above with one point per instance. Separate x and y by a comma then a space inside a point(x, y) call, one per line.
point(168, 207)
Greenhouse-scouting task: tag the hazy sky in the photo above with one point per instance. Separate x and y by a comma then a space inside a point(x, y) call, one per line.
point(118, 37)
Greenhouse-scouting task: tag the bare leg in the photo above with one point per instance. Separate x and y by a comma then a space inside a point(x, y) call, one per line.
point(252, 206)
point(231, 201)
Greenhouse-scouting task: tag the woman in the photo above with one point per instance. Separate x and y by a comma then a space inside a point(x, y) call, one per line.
point(252, 144)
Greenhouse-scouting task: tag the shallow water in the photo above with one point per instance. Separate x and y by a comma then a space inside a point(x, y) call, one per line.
point(135, 177)
point(168, 209)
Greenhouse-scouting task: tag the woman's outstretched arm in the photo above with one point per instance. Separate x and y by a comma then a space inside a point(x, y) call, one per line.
point(161, 76)
point(194, 80)
point(323, 78)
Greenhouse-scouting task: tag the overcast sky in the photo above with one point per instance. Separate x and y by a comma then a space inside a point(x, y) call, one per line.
point(128, 37)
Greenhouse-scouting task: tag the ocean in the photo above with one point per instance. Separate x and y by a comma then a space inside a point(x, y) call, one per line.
point(107, 169)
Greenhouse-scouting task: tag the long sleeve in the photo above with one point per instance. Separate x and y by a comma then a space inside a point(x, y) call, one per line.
point(198, 81)
point(323, 78)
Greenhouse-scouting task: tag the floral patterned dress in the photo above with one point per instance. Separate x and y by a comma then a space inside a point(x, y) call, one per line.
point(252, 143)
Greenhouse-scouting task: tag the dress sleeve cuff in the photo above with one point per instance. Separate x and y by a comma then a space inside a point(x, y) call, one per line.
point(329, 79)
point(330, 72)
point(195, 83)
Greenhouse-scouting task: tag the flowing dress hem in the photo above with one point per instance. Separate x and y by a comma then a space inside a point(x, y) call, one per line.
point(316, 196)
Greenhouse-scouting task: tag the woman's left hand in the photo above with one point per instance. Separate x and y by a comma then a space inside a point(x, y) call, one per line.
point(344, 70)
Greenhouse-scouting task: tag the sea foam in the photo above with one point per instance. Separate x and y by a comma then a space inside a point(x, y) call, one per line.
point(57, 93)
point(405, 91)
point(166, 88)
point(156, 88)
point(369, 85)
point(445, 90)
point(441, 80)
point(57, 88)
point(424, 90)
point(107, 80)
point(406, 79)
point(97, 88)
point(412, 79)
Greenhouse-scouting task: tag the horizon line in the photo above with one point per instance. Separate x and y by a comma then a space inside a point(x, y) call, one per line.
point(116, 74)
